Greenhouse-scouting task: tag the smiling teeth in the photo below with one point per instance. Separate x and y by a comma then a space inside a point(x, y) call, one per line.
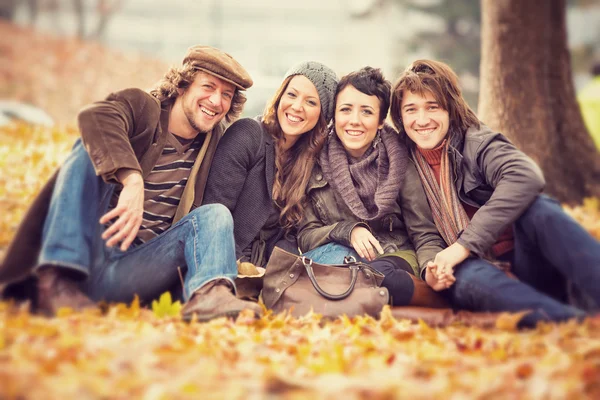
point(293, 118)
point(208, 112)
point(425, 131)
point(354, 133)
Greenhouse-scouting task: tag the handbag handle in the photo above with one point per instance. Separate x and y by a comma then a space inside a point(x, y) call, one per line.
point(311, 275)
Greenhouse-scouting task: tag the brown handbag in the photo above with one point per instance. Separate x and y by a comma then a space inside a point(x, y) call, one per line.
point(296, 283)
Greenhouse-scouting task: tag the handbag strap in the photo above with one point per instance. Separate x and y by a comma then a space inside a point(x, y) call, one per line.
point(311, 275)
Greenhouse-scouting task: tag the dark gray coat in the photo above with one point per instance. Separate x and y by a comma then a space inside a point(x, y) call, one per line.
point(241, 178)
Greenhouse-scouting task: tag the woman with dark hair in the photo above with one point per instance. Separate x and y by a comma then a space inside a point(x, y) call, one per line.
point(262, 165)
point(364, 197)
point(485, 199)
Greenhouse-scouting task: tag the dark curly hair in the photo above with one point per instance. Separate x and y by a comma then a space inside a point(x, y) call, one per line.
point(371, 82)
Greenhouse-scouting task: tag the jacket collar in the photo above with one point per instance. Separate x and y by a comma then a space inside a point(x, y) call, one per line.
point(165, 112)
point(149, 158)
point(269, 155)
point(270, 164)
point(316, 180)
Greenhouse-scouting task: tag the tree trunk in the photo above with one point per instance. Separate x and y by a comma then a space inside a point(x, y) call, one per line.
point(527, 93)
point(7, 9)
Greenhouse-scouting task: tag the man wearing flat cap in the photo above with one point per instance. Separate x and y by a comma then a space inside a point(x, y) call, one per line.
point(122, 216)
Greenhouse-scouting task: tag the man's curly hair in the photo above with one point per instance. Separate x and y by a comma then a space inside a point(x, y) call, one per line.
point(182, 78)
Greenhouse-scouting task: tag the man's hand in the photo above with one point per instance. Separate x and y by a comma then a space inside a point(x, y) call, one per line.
point(432, 279)
point(364, 243)
point(446, 260)
point(129, 211)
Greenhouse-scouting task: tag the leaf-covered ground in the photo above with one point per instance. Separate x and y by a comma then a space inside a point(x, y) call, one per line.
point(130, 353)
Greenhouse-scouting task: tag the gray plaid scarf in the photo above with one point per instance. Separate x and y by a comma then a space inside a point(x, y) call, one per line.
point(369, 185)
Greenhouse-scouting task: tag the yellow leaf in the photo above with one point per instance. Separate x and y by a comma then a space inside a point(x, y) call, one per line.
point(591, 203)
point(189, 388)
point(498, 354)
point(510, 321)
point(165, 307)
point(64, 312)
point(134, 308)
point(386, 319)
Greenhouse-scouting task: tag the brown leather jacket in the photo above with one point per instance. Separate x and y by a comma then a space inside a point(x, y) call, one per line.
point(127, 130)
point(410, 226)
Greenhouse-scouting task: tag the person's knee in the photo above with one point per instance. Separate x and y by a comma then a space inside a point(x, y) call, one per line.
point(475, 282)
point(80, 158)
point(475, 270)
point(542, 208)
point(384, 265)
point(216, 216)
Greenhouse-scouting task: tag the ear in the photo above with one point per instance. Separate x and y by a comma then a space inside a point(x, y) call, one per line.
point(180, 91)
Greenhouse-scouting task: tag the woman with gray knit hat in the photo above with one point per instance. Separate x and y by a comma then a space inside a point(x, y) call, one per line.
point(262, 165)
point(364, 197)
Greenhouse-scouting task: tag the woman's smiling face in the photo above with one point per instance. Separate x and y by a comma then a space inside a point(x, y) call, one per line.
point(356, 120)
point(299, 107)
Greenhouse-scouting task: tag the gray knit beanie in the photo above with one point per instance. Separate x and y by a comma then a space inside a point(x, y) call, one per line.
point(324, 80)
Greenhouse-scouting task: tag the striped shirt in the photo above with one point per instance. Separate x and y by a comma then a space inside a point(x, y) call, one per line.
point(163, 187)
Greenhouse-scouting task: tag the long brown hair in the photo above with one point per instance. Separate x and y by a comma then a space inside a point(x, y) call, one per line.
point(293, 167)
point(438, 78)
point(182, 78)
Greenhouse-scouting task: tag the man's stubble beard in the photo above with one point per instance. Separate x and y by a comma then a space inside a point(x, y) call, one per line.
point(190, 117)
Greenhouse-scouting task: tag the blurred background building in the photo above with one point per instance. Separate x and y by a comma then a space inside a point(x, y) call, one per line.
point(268, 36)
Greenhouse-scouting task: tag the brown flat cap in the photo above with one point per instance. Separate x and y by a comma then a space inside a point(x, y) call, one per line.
point(219, 64)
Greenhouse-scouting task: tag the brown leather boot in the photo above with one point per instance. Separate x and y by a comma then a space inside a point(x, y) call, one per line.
point(441, 317)
point(56, 290)
point(216, 299)
point(425, 296)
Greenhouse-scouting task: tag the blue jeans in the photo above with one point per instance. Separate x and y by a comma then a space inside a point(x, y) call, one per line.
point(331, 253)
point(550, 247)
point(202, 242)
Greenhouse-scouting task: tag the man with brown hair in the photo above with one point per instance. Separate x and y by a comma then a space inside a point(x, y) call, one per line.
point(125, 211)
point(487, 204)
